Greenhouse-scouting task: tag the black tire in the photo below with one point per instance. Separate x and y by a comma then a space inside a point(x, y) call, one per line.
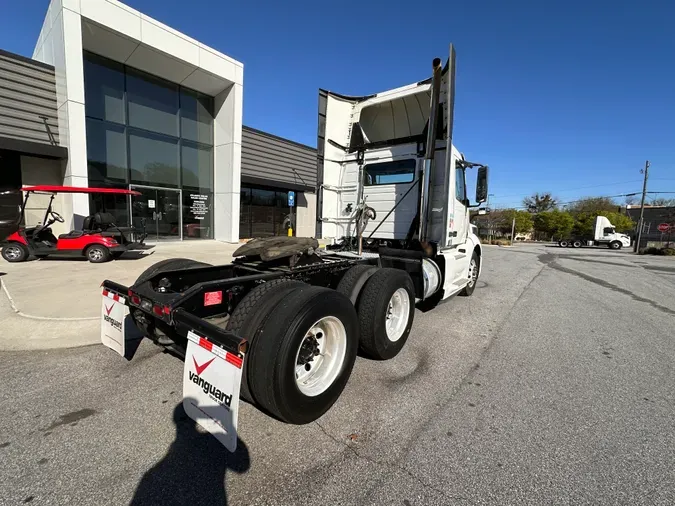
point(474, 266)
point(98, 254)
point(615, 245)
point(374, 308)
point(354, 280)
point(563, 243)
point(272, 360)
point(171, 264)
point(250, 315)
point(15, 252)
point(576, 243)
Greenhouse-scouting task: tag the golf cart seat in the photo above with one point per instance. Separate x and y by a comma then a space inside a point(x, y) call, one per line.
point(73, 234)
point(101, 222)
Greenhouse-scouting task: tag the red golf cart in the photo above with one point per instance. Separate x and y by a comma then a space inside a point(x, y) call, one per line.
point(100, 239)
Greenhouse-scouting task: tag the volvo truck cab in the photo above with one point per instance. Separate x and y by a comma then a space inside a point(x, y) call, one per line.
point(392, 178)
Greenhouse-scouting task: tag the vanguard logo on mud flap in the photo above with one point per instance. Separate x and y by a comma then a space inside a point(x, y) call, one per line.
point(215, 393)
point(107, 318)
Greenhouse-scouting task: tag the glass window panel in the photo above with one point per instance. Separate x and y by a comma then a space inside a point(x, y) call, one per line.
point(197, 166)
point(262, 221)
point(261, 197)
point(153, 103)
point(245, 195)
point(153, 159)
point(106, 152)
point(117, 205)
point(399, 171)
point(196, 117)
point(197, 215)
point(460, 184)
point(103, 89)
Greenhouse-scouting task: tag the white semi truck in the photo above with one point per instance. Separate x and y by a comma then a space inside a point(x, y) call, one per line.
point(280, 326)
point(604, 234)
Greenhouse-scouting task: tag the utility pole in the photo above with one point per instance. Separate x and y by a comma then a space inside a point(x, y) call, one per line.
point(513, 229)
point(636, 247)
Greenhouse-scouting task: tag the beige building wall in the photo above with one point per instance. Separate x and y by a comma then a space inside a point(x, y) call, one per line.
point(306, 219)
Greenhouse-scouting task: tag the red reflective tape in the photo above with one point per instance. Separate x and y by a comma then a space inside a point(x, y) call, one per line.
point(205, 344)
point(116, 298)
point(105, 292)
point(233, 359)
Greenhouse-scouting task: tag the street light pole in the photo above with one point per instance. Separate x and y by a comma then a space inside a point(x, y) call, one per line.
point(636, 247)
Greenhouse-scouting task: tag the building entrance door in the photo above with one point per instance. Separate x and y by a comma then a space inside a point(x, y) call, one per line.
point(161, 210)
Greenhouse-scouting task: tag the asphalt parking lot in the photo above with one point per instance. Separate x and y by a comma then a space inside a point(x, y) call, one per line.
point(552, 384)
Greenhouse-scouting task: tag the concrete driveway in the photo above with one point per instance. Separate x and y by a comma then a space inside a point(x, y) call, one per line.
point(52, 303)
point(552, 384)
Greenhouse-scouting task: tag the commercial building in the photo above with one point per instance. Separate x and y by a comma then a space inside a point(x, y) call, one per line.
point(113, 98)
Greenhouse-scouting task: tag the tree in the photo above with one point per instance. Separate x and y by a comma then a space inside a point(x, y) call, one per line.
point(597, 205)
point(662, 202)
point(540, 202)
point(554, 224)
point(621, 222)
point(523, 220)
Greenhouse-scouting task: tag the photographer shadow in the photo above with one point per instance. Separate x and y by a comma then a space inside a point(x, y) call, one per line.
point(193, 470)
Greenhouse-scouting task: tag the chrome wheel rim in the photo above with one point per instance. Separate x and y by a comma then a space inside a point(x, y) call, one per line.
point(13, 252)
point(473, 272)
point(398, 313)
point(320, 356)
point(95, 254)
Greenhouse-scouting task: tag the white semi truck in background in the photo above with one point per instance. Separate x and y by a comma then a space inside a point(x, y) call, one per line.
point(604, 234)
point(282, 323)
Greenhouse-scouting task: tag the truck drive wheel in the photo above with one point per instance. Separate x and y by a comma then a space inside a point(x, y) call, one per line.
point(576, 243)
point(354, 280)
point(303, 354)
point(14, 252)
point(97, 254)
point(472, 275)
point(386, 313)
point(252, 312)
point(615, 245)
point(148, 329)
point(563, 243)
point(170, 264)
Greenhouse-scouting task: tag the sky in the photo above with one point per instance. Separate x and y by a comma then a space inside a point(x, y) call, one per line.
point(563, 97)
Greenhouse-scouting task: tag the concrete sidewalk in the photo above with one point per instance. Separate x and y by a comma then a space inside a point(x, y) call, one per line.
point(56, 303)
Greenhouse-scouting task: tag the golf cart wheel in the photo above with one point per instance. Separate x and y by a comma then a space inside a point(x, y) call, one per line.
point(252, 312)
point(615, 245)
point(472, 274)
point(303, 354)
point(14, 252)
point(386, 313)
point(98, 254)
point(576, 243)
point(563, 243)
point(354, 280)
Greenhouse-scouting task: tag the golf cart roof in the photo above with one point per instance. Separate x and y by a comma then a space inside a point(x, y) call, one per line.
point(77, 189)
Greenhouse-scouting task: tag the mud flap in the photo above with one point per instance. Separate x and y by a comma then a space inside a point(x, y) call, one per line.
point(114, 313)
point(211, 384)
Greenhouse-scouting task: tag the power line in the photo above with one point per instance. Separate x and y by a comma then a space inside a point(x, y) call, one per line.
point(573, 189)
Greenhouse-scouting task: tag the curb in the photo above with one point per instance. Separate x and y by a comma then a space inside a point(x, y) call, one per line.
point(45, 318)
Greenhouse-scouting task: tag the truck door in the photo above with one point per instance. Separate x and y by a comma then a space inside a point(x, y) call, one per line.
point(386, 187)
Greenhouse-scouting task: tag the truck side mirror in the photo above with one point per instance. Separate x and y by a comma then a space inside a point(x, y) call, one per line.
point(482, 185)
